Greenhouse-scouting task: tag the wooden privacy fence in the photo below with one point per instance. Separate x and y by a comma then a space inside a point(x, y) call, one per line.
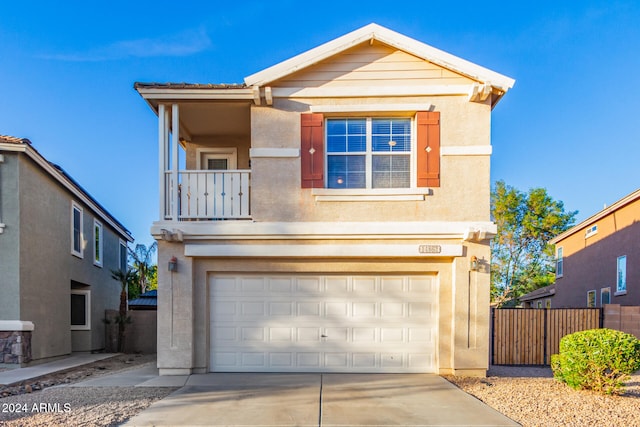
point(530, 336)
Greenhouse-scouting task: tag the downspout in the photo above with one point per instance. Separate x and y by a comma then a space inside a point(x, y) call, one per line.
point(1, 223)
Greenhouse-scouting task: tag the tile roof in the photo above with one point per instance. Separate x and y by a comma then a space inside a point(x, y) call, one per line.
point(6, 139)
point(139, 85)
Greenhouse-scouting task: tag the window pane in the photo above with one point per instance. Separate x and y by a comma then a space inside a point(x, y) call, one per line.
point(78, 309)
point(622, 274)
point(76, 230)
point(98, 251)
point(346, 171)
point(123, 257)
point(391, 171)
point(336, 143)
point(391, 135)
point(346, 135)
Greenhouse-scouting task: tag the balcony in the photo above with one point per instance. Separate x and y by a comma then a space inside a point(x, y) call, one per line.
point(207, 195)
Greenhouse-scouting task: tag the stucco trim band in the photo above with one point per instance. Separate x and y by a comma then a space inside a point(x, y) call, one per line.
point(466, 150)
point(425, 250)
point(16, 325)
point(274, 152)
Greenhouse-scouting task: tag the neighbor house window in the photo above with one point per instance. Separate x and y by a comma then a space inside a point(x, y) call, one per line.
point(368, 153)
point(76, 230)
point(539, 304)
point(80, 309)
point(548, 303)
point(559, 262)
point(621, 279)
point(591, 298)
point(605, 296)
point(123, 256)
point(97, 243)
point(591, 231)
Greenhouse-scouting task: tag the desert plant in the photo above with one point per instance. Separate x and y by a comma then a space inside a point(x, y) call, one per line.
point(597, 359)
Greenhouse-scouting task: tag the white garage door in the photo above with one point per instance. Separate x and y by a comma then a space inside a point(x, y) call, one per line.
point(323, 323)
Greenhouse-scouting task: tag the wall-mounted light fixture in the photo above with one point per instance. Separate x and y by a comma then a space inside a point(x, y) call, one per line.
point(473, 264)
point(173, 264)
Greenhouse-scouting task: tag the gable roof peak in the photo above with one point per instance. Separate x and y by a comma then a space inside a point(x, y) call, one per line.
point(389, 37)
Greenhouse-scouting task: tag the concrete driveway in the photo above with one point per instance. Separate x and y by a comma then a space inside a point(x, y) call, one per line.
point(319, 400)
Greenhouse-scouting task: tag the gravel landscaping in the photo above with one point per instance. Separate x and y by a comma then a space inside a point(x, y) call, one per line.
point(530, 396)
point(39, 403)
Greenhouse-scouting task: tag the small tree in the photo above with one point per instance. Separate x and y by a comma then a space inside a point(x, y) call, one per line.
point(124, 277)
point(522, 258)
point(142, 264)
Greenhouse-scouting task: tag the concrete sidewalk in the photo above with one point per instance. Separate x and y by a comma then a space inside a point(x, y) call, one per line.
point(319, 399)
point(18, 375)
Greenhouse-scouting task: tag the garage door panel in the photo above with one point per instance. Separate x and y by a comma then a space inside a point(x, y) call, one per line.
point(323, 324)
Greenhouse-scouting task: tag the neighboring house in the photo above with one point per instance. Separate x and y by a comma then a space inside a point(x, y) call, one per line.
point(58, 246)
point(598, 260)
point(333, 215)
point(145, 301)
point(540, 298)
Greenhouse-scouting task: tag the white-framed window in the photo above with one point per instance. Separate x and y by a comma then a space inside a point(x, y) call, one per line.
point(80, 309)
point(591, 298)
point(122, 256)
point(97, 243)
point(621, 276)
point(538, 304)
point(591, 231)
point(559, 262)
point(368, 152)
point(77, 243)
point(605, 296)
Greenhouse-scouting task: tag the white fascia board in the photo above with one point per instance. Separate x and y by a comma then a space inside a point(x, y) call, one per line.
point(370, 91)
point(16, 325)
point(33, 154)
point(249, 230)
point(20, 148)
point(386, 36)
point(195, 94)
point(326, 251)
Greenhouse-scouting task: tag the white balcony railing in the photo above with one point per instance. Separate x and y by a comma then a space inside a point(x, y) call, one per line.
point(208, 195)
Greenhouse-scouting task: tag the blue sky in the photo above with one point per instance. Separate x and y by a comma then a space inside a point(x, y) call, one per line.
point(570, 123)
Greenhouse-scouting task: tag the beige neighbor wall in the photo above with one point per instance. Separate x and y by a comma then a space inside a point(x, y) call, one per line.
point(47, 267)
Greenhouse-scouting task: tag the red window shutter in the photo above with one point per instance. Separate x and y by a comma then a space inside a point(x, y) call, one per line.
point(428, 148)
point(312, 150)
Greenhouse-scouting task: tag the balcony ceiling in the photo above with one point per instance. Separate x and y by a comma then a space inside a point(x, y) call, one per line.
point(229, 118)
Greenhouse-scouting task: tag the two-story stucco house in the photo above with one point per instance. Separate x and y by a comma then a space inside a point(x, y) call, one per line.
point(333, 214)
point(58, 246)
point(598, 260)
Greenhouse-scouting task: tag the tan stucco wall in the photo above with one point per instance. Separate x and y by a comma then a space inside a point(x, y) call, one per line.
point(465, 181)
point(183, 326)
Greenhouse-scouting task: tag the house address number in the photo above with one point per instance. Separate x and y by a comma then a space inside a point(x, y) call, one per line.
point(429, 249)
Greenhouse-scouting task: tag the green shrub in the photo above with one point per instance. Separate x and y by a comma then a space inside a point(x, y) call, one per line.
point(597, 359)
